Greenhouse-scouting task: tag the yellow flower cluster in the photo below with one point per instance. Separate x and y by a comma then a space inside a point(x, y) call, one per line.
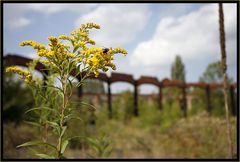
point(94, 57)
point(56, 51)
point(23, 73)
point(120, 50)
point(80, 36)
point(98, 58)
point(34, 44)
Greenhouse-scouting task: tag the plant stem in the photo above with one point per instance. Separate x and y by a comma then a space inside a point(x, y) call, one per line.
point(64, 105)
point(224, 68)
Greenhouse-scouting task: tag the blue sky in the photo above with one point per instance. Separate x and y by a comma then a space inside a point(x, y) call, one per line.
point(151, 33)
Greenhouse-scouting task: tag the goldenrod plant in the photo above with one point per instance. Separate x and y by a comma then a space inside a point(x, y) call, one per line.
point(61, 57)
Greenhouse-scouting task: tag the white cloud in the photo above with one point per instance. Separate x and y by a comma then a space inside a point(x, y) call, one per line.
point(119, 23)
point(31, 55)
point(45, 8)
point(18, 22)
point(15, 15)
point(194, 36)
point(51, 8)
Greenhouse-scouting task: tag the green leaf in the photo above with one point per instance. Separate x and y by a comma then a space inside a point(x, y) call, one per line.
point(76, 137)
point(37, 142)
point(71, 66)
point(45, 156)
point(32, 123)
point(70, 82)
point(76, 117)
point(54, 125)
point(72, 42)
point(87, 104)
point(94, 143)
point(40, 108)
point(64, 145)
point(54, 87)
point(71, 116)
point(63, 130)
point(75, 49)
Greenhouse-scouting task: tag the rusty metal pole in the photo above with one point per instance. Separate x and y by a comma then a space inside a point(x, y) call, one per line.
point(109, 100)
point(80, 92)
point(160, 97)
point(135, 99)
point(184, 108)
point(208, 99)
point(232, 100)
point(45, 75)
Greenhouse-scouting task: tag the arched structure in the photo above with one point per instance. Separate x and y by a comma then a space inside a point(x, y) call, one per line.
point(11, 60)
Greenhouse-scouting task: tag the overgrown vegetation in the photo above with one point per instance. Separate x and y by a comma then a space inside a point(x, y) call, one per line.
point(154, 134)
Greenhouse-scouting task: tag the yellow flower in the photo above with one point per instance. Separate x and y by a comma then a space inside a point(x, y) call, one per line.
point(120, 50)
point(95, 57)
point(91, 42)
point(71, 55)
point(64, 37)
point(50, 54)
point(83, 34)
point(34, 44)
point(23, 73)
point(96, 73)
point(92, 25)
point(45, 62)
point(42, 52)
point(94, 61)
point(53, 40)
point(81, 44)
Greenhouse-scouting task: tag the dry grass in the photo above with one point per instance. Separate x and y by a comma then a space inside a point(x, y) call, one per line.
point(199, 136)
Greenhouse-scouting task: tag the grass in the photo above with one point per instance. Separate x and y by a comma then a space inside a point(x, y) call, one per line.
point(154, 134)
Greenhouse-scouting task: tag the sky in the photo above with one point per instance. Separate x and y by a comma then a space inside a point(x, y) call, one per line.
point(153, 34)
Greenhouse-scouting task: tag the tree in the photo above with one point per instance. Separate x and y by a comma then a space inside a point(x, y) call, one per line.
point(178, 70)
point(178, 73)
point(213, 74)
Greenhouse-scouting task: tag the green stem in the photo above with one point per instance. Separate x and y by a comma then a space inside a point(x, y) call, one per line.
point(64, 105)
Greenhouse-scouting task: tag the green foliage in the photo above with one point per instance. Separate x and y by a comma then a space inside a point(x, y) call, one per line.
point(123, 106)
point(199, 103)
point(101, 146)
point(17, 98)
point(213, 74)
point(154, 134)
point(93, 86)
point(178, 69)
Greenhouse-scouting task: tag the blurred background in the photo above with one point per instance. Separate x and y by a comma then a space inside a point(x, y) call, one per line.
point(174, 41)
